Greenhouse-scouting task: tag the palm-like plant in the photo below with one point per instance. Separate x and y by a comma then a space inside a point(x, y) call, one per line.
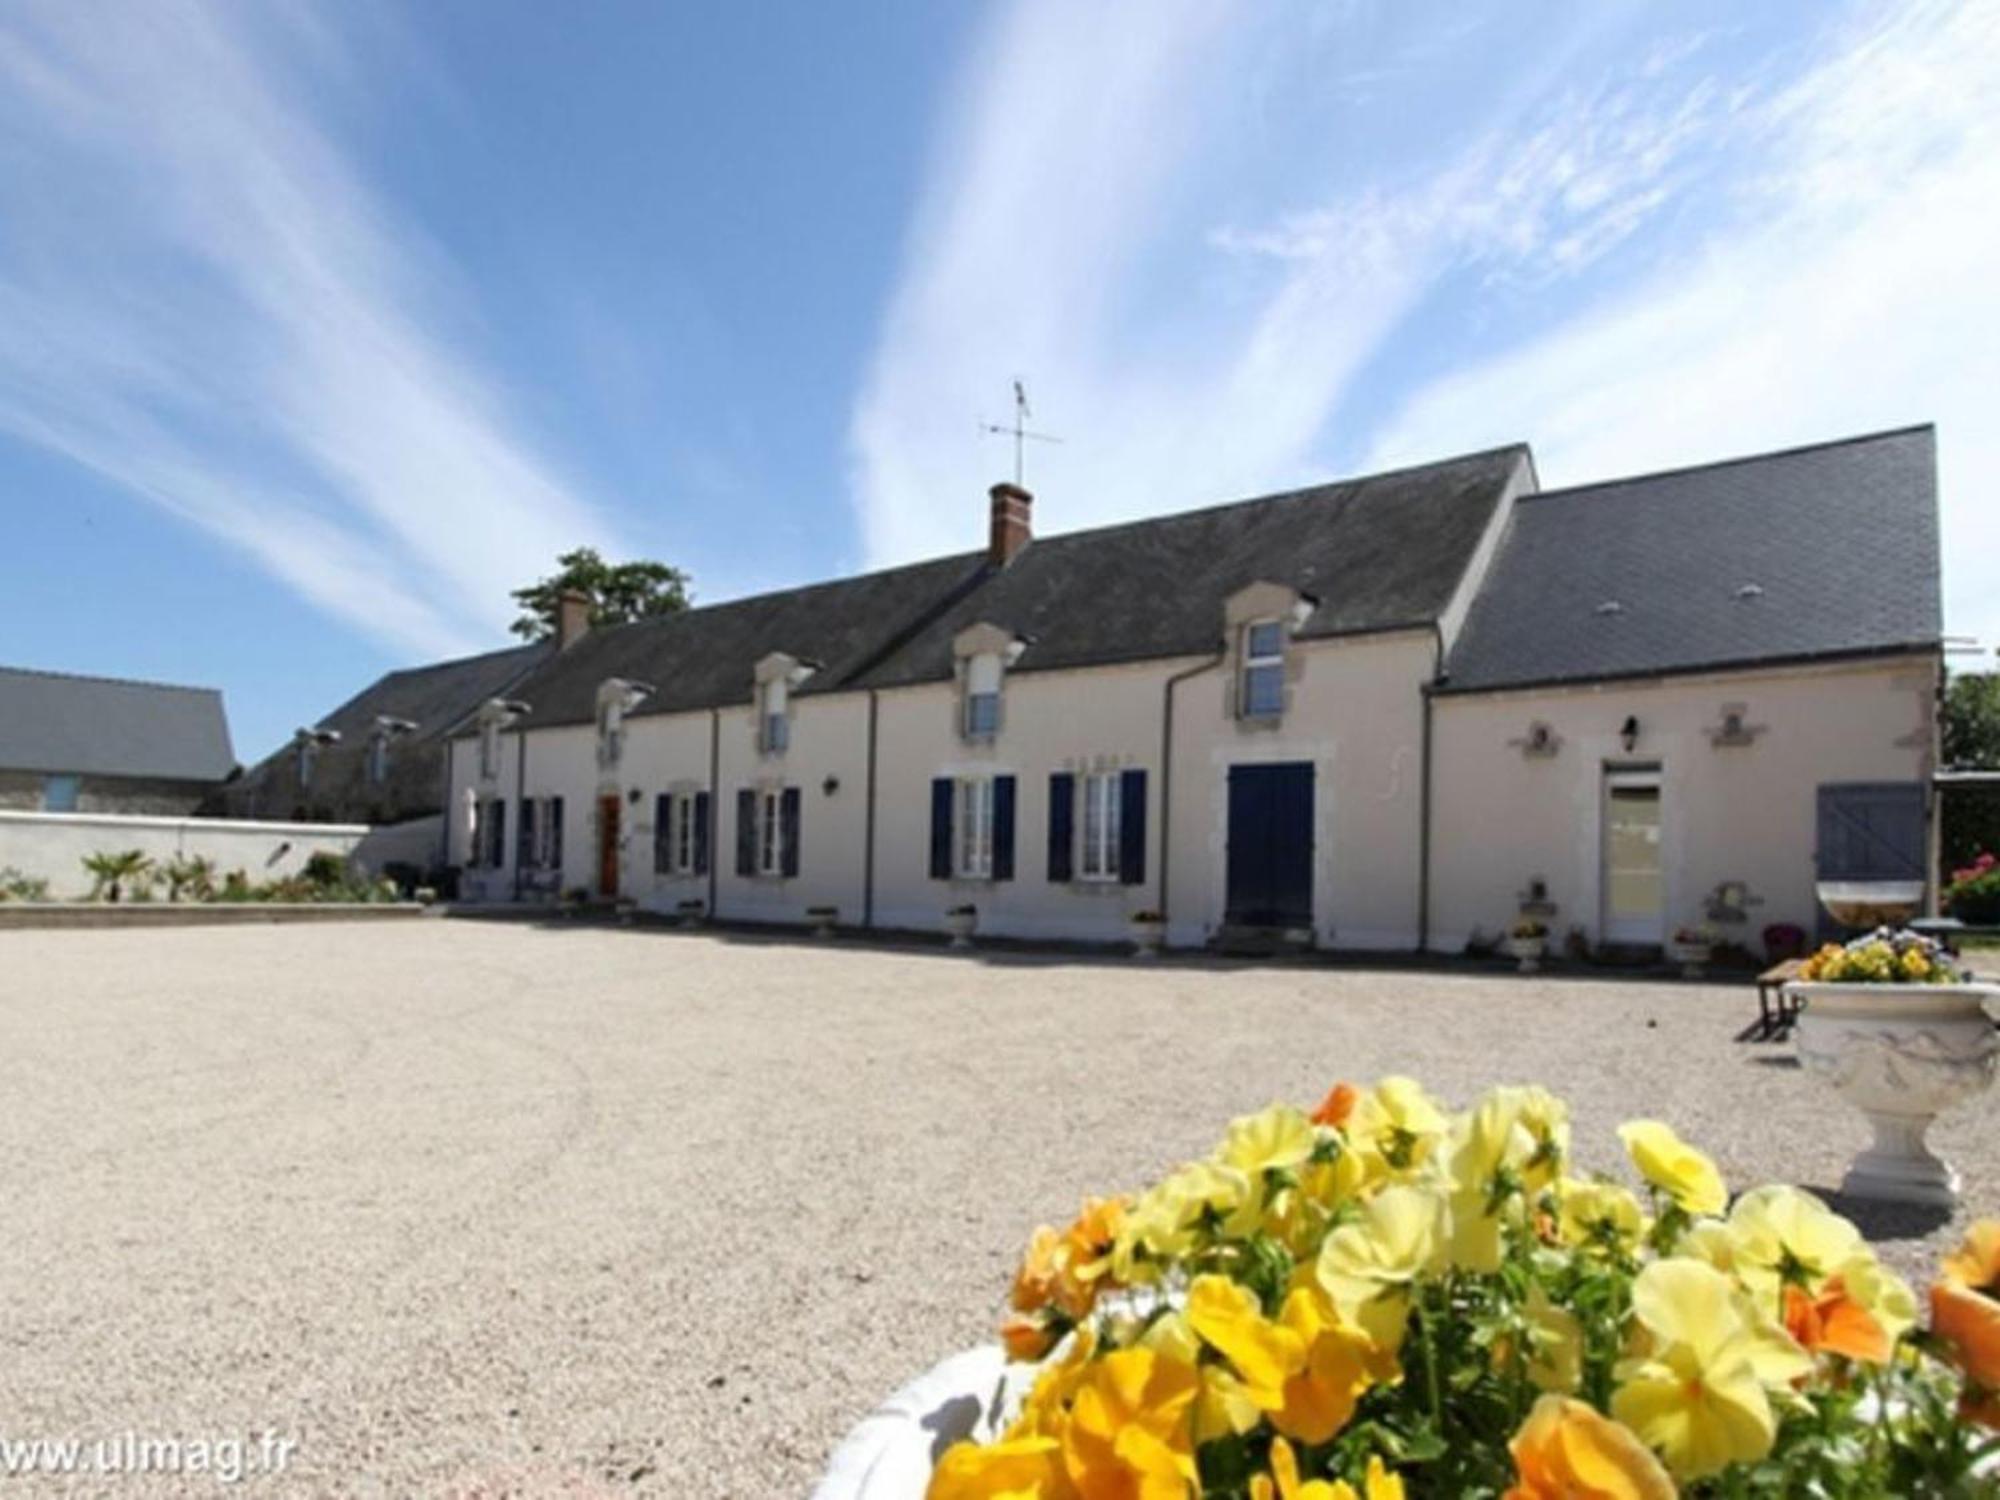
point(111, 873)
point(192, 874)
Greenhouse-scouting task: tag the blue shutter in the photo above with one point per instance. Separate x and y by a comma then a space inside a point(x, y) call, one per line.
point(555, 833)
point(1132, 827)
point(942, 791)
point(1003, 828)
point(1062, 826)
point(701, 833)
point(496, 851)
point(663, 814)
point(788, 832)
point(746, 832)
point(524, 838)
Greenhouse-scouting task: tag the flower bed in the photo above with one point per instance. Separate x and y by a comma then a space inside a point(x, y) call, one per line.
point(1973, 896)
point(1382, 1299)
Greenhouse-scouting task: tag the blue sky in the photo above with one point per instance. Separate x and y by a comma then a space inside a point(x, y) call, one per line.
point(322, 326)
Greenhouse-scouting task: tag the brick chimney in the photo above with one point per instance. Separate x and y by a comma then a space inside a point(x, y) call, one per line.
point(572, 617)
point(1013, 508)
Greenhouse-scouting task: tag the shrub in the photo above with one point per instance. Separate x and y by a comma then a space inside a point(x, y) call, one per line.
point(112, 874)
point(15, 886)
point(1973, 896)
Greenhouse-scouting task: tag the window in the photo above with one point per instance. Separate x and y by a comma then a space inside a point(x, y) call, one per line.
point(982, 696)
point(975, 828)
point(1100, 826)
point(378, 760)
point(541, 833)
point(674, 835)
point(770, 831)
point(308, 755)
point(610, 734)
point(1263, 670)
point(494, 825)
point(489, 750)
point(59, 793)
point(774, 729)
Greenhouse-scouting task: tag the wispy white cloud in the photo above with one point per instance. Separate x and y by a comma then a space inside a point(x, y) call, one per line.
point(1059, 237)
point(1851, 287)
point(210, 307)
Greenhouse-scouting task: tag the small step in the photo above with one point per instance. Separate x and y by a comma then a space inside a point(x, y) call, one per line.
point(1244, 940)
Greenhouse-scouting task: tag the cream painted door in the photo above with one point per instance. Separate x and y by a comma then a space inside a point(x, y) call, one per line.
point(1634, 882)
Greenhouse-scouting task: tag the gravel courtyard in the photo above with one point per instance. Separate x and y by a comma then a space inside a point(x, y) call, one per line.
point(485, 1208)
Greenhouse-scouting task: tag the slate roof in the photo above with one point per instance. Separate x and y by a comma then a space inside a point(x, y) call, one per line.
point(1823, 551)
point(1380, 552)
point(434, 698)
point(53, 722)
point(706, 657)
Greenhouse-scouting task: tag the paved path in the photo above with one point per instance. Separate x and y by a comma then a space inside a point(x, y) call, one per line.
point(485, 1208)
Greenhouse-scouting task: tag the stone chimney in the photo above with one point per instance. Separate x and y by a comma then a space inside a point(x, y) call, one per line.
point(1013, 508)
point(572, 617)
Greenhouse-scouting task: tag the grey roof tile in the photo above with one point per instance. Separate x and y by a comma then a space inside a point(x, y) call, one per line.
point(1827, 550)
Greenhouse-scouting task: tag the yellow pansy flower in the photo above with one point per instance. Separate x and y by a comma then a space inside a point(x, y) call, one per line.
point(1367, 1267)
point(1544, 1119)
point(1274, 1139)
point(1380, 1483)
point(1787, 1237)
point(1265, 1354)
point(1674, 1167)
point(1697, 1395)
point(1341, 1363)
point(1554, 1343)
point(1395, 1126)
point(1599, 1215)
point(1128, 1433)
point(1014, 1469)
point(1567, 1450)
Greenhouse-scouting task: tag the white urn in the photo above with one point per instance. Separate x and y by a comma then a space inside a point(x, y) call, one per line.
point(1902, 1054)
point(889, 1456)
point(1527, 953)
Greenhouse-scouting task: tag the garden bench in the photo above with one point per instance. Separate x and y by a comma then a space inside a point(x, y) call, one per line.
point(1775, 1013)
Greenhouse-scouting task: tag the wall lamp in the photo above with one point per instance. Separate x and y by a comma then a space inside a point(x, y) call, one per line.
point(1628, 733)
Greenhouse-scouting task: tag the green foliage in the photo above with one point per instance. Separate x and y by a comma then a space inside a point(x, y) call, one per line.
point(191, 876)
point(1969, 816)
point(619, 592)
point(112, 874)
point(15, 886)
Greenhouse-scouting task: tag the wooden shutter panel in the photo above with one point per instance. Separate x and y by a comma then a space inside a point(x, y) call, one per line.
point(663, 816)
point(1003, 828)
point(497, 851)
point(701, 833)
point(943, 789)
point(555, 833)
point(1062, 826)
point(789, 833)
point(746, 832)
point(524, 837)
point(1132, 827)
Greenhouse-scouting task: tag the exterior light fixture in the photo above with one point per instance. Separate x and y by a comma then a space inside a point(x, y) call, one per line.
point(1628, 733)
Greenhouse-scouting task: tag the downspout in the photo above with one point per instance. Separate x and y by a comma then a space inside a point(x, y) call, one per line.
point(1167, 771)
point(868, 829)
point(1424, 795)
point(714, 803)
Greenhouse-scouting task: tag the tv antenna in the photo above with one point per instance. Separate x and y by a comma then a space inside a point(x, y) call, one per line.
point(1019, 430)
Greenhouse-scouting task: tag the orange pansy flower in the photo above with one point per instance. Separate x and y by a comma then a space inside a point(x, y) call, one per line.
point(1970, 1323)
point(1568, 1450)
point(1337, 1105)
point(1834, 1323)
point(1975, 1264)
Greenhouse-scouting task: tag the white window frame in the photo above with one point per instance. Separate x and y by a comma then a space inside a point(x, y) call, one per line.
point(610, 734)
point(1098, 830)
point(774, 725)
point(770, 831)
point(972, 828)
point(545, 833)
point(1255, 662)
point(983, 675)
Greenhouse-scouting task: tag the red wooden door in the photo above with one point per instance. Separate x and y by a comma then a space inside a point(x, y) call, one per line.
point(607, 846)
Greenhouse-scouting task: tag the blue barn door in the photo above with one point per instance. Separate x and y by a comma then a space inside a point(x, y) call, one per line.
point(1872, 830)
point(1271, 845)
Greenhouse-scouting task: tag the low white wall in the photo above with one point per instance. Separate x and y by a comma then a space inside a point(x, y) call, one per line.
point(416, 841)
point(53, 845)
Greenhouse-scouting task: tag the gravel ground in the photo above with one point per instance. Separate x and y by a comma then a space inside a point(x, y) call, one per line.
point(482, 1208)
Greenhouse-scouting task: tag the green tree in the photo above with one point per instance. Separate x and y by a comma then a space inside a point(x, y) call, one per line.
point(619, 592)
point(1969, 729)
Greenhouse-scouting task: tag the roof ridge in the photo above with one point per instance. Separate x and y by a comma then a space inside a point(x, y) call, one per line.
point(1569, 491)
point(144, 682)
point(1296, 493)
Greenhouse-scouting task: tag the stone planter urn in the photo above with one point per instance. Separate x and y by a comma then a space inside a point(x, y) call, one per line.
point(1149, 934)
point(961, 922)
point(1902, 1054)
point(1692, 957)
point(1527, 953)
point(822, 919)
point(890, 1455)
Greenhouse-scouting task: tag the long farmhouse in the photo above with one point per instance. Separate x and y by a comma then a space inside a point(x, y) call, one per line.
point(1387, 713)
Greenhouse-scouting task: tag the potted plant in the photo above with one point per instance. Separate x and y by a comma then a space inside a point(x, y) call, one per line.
point(1149, 933)
point(961, 922)
point(1691, 948)
point(1385, 1297)
point(1527, 941)
point(822, 919)
point(1902, 1035)
point(692, 911)
point(1784, 941)
point(1973, 896)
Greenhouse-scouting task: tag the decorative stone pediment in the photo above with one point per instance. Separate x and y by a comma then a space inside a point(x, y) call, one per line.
point(1267, 601)
point(781, 666)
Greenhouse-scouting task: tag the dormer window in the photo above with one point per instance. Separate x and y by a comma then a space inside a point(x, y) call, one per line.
point(616, 697)
point(982, 696)
point(774, 732)
point(1263, 669)
point(308, 758)
point(489, 748)
point(386, 729)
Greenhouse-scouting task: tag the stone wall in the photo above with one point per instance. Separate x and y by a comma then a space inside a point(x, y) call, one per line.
point(23, 791)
